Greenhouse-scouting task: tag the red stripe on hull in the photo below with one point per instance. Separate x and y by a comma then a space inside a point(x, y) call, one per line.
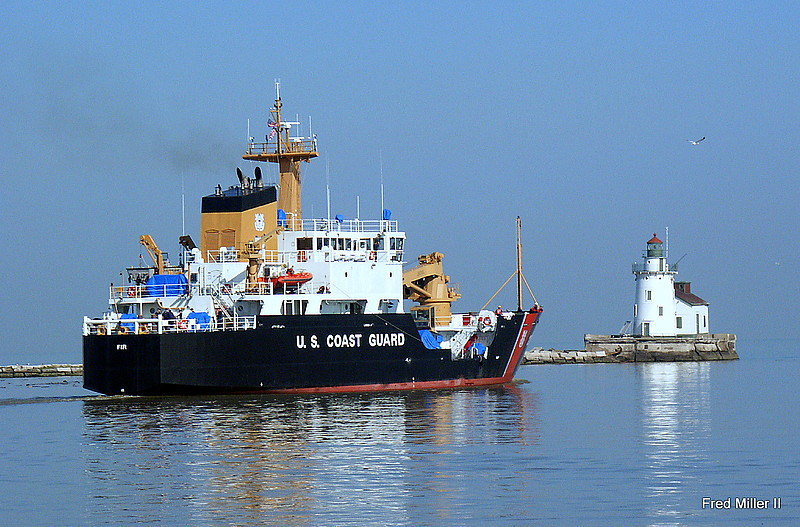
point(398, 386)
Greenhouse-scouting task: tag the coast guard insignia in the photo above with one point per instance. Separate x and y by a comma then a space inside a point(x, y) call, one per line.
point(259, 222)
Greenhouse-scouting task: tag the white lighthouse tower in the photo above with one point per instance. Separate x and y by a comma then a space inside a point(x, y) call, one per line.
point(654, 310)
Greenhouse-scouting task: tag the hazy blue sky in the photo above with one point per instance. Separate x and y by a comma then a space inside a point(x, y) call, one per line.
point(573, 117)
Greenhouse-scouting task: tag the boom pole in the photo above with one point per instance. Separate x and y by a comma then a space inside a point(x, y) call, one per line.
point(519, 264)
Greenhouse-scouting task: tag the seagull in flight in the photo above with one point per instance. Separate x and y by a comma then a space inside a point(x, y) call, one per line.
point(695, 143)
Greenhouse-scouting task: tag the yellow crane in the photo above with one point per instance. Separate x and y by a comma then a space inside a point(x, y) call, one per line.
point(428, 285)
point(252, 251)
point(155, 253)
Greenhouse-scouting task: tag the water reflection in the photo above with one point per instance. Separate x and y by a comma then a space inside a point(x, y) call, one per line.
point(293, 460)
point(676, 422)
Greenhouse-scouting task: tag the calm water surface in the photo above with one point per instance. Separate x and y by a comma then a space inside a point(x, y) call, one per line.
point(591, 445)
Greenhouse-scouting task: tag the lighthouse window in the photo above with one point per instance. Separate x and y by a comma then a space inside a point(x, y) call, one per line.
point(679, 322)
point(661, 311)
point(649, 295)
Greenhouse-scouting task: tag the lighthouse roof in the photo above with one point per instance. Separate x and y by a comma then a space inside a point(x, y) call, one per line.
point(655, 239)
point(689, 298)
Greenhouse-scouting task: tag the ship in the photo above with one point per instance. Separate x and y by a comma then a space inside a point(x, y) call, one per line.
point(272, 302)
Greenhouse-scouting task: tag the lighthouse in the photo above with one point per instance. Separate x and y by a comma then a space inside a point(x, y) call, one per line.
point(670, 322)
point(654, 309)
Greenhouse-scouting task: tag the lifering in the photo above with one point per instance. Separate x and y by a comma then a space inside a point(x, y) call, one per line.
point(131, 291)
point(101, 330)
point(183, 323)
point(487, 321)
point(372, 255)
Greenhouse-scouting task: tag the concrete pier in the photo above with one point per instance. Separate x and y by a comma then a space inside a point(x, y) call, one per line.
point(41, 370)
point(613, 349)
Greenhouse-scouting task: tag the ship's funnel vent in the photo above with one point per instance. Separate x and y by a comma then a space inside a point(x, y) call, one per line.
point(259, 179)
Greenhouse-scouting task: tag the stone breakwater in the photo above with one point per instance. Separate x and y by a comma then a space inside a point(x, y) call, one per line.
point(611, 348)
point(41, 370)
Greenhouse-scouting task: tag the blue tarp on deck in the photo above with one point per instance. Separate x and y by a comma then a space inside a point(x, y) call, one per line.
point(202, 319)
point(167, 285)
point(431, 340)
point(130, 326)
point(477, 348)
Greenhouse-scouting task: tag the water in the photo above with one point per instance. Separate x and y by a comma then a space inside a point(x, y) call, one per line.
point(574, 444)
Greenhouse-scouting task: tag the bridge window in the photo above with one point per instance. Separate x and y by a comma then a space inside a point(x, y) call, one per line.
point(305, 244)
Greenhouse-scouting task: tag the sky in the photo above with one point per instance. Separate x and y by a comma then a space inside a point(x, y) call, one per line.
point(573, 117)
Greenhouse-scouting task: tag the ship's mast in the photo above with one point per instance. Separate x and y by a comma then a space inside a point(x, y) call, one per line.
point(519, 264)
point(288, 152)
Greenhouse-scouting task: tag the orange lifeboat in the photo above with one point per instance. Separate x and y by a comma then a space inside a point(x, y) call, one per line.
point(290, 278)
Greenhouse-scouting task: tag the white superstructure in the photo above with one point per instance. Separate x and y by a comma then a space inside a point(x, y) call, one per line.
point(349, 267)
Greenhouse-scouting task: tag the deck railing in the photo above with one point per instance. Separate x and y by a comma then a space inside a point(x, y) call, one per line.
point(142, 326)
point(295, 145)
point(346, 225)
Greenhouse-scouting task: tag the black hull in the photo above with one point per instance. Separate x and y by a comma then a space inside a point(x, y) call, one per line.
point(296, 354)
